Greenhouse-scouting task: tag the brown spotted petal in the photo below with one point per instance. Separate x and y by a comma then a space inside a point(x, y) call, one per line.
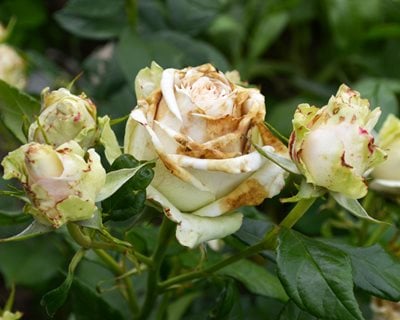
point(192, 229)
point(202, 128)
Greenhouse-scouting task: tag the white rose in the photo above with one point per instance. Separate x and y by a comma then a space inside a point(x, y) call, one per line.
point(12, 67)
point(387, 175)
point(201, 127)
point(61, 183)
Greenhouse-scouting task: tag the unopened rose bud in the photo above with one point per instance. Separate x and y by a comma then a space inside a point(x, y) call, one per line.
point(61, 183)
point(389, 140)
point(64, 117)
point(12, 67)
point(333, 146)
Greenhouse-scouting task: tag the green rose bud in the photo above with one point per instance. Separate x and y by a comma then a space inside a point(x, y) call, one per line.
point(12, 67)
point(64, 117)
point(61, 183)
point(7, 315)
point(333, 146)
point(386, 175)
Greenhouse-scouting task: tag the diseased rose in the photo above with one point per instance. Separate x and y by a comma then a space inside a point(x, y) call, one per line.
point(12, 67)
point(64, 117)
point(7, 315)
point(201, 127)
point(387, 175)
point(61, 183)
point(385, 310)
point(333, 146)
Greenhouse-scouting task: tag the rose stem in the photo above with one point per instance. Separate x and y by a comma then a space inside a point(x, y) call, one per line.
point(86, 242)
point(269, 242)
point(115, 267)
point(165, 233)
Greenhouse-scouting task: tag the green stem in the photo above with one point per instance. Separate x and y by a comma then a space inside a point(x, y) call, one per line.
point(119, 271)
point(86, 242)
point(10, 300)
point(131, 12)
point(154, 269)
point(268, 242)
point(297, 212)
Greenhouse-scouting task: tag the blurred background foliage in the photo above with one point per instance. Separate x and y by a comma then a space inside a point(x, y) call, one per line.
point(293, 50)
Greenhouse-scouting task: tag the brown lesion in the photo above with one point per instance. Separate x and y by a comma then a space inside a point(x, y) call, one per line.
point(249, 193)
point(269, 139)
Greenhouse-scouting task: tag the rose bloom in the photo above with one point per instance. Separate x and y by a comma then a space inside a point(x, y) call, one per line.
point(387, 175)
point(61, 183)
point(201, 127)
point(12, 67)
point(64, 117)
point(333, 146)
point(385, 310)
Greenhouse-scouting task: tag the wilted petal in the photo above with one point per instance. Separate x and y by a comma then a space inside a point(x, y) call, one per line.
point(264, 183)
point(193, 230)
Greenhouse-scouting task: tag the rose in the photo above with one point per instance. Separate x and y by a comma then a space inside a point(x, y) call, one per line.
point(385, 309)
point(333, 146)
point(12, 67)
point(7, 315)
point(201, 127)
point(64, 117)
point(386, 175)
point(61, 184)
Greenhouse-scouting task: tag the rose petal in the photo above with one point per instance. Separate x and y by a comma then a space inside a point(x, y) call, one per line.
point(246, 163)
point(137, 140)
point(264, 183)
point(167, 88)
point(193, 230)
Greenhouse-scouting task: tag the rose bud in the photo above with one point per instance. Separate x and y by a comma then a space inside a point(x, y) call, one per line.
point(333, 146)
point(64, 117)
point(61, 183)
point(12, 67)
point(386, 175)
point(201, 127)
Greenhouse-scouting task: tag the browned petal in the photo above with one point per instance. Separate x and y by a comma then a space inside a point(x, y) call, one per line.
point(153, 109)
point(270, 140)
point(249, 193)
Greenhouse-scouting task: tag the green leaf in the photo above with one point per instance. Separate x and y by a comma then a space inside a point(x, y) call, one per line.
point(256, 279)
point(195, 52)
point(104, 20)
point(33, 230)
point(292, 312)
point(253, 230)
point(267, 31)
point(86, 303)
point(192, 17)
point(32, 263)
point(9, 218)
point(380, 93)
point(317, 277)
point(374, 270)
point(284, 163)
point(94, 222)
point(225, 302)
point(16, 108)
point(55, 298)
point(115, 180)
point(177, 308)
point(353, 206)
